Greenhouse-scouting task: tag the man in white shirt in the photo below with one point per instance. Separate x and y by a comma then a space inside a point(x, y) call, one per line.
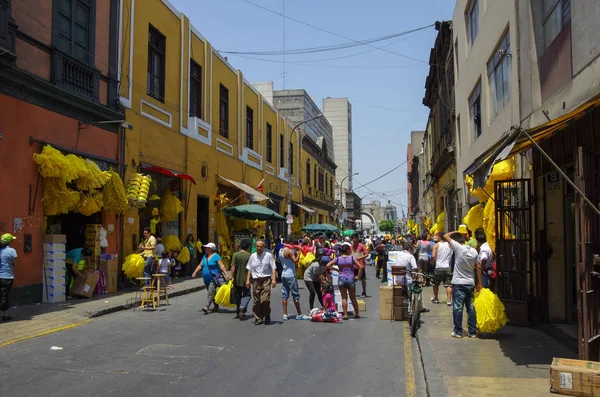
point(407, 259)
point(261, 268)
point(485, 259)
point(441, 257)
point(463, 283)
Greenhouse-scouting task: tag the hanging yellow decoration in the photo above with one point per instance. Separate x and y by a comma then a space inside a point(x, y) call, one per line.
point(427, 223)
point(137, 190)
point(489, 222)
point(78, 165)
point(58, 199)
point(502, 171)
point(184, 255)
point(87, 205)
point(170, 206)
point(491, 315)
point(53, 164)
point(474, 218)
point(172, 243)
point(155, 220)
point(113, 194)
point(94, 179)
point(133, 266)
point(221, 200)
point(154, 197)
point(440, 223)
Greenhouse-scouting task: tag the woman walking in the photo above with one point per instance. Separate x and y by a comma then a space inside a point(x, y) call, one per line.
point(7, 273)
point(347, 280)
point(313, 275)
point(214, 274)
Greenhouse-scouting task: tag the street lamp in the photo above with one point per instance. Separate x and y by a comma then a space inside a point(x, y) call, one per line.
point(290, 165)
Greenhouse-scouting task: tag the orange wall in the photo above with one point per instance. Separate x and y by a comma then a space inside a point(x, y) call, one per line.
point(18, 172)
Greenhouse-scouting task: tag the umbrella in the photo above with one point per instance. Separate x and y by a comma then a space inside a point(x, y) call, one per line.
point(320, 228)
point(348, 232)
point(252, 212)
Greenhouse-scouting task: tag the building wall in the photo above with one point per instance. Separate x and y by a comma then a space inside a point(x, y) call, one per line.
point(339, 113)
point(495, 18)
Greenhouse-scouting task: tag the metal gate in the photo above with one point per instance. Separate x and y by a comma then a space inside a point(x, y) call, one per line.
point(513, 247)
point(587, 234)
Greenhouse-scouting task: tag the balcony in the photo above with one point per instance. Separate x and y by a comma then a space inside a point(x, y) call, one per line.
point(443, 154)
point(74, 76)
point(8, 30)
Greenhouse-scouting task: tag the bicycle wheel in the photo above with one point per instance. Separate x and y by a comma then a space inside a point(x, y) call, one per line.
point(416, 315)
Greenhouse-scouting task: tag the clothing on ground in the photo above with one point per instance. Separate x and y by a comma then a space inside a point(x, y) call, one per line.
point(465, 258)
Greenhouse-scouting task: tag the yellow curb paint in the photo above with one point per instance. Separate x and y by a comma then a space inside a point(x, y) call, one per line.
point(409, 369)
point(50, 331)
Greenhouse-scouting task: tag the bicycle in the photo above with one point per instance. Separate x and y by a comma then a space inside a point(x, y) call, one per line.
point(416, 302)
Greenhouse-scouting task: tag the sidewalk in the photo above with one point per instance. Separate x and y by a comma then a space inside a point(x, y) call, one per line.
point(30, 321)
point(514, 361)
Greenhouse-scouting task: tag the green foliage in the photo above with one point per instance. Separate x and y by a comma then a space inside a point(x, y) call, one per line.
point(386, 226)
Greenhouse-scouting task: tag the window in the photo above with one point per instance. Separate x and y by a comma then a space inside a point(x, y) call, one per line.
point(269, 143)
point(156, 64)
point(307, 172)
point(499, 75)
point(195, 90)
point(291, 159)
point(556, 14)
point(73, 27)
point(475, 111)
point(281, 151)
point(249, 128)
point(472, 21)
point(224, 111)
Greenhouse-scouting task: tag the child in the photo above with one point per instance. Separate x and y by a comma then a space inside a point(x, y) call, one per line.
point(328, 314)
point(328, 299)
point(165, 263)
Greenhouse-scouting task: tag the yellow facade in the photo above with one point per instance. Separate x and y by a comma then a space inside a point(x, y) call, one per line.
point(314, 165)
point(164, 134)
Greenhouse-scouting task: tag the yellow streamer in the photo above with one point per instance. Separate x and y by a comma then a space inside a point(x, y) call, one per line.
point(133, 266)
point(170, 206)
point(490, 311)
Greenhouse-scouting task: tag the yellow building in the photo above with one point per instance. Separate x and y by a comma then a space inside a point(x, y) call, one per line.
point(318, 176)
point(195, 117)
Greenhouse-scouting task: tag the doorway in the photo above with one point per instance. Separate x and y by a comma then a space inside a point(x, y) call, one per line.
point(202, 219)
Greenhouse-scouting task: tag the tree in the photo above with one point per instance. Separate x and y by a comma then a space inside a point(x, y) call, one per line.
point(386, 226)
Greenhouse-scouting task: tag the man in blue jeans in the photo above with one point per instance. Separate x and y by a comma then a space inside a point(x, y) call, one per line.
point(289, 284)
point(463, 283)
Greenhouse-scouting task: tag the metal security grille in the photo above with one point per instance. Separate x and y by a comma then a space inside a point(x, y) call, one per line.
point(513, 247)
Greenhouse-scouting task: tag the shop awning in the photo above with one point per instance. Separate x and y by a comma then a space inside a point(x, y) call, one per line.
point(256, 195)
point(164, 171)
point(305, 208)
point(252, 212)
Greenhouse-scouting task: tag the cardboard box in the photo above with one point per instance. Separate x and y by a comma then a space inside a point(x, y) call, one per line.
point(386, 301)
point(55, 238)
point(85, 287)
point(56, 279)
point(54, 289)
point(50, 247)
point(53, 298)
point(575, 377)
point(362, 305)
point(55, 264)
point(108, 266)
point(111, 279)
point(55, 255)
point(54, 271)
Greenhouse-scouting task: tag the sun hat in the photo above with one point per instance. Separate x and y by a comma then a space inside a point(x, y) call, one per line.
point(212, 246)
point(462, 229)
point(7, 238)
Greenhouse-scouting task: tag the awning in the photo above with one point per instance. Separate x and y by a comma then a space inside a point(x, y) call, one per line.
point(309, 210)
point(256, 195)
point(253, 211)
point(167, 172)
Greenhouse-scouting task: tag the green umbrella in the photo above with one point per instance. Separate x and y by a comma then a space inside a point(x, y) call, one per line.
point(348, 232)
point(320, 228)
point(252, 212)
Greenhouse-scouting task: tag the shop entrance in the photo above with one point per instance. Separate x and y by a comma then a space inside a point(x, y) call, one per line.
point(202, 219)
point(73, 226)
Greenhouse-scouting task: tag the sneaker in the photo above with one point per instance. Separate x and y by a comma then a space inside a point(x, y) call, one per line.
point(455, 335)
point(267, 320)
point(285, 317)
point(473, 336)
point(242, 316)
point(363, 295)
point(436, 301)
point(302, 317)
point(257, 322)
point(448, 303)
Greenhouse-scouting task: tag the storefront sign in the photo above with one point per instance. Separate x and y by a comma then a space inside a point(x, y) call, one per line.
point(240, 235)
point(170, 228)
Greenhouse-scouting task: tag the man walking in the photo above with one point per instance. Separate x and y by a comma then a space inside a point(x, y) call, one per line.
point(422, 249)
point(289, 284)
point(485, 260)
point(359, 251)
point(463, 283)
point(261, 267)
point(239, 275)
point(441, 257)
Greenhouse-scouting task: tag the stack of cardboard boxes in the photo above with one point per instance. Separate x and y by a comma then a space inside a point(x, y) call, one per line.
point(54, 271)
point(110, 268)
point(92, 241)
point(390, 296)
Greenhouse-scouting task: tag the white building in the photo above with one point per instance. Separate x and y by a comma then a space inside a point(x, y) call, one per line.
point(339, 113)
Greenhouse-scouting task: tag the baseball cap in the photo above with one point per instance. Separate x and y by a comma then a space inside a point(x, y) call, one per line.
point(325, 259)
point(7, 238)
point(212, 246)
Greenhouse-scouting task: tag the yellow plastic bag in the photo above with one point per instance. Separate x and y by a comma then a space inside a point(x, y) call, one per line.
point(223, 296)
point(490, 311)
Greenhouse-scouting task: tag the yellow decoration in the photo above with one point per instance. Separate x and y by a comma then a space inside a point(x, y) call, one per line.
point(490, 311)
point(153, 223)
point(199, 245)
point(154, 197)
point(78, 165)
point(58, 199)
point(440, 222)
point(184, 255)
point(502, 171)
point(170, 206)
point(137, 190)
point(133, 266)
point(172, 243)
point(427, 223)
point(94, 178)
point(474, 218)
point(489, 222)
point(87, 205)
point(223, 295)
point(113, 194)
point(303, 263)
point(53, 164)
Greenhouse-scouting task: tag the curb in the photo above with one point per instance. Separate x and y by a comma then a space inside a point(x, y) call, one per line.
point(124, 306)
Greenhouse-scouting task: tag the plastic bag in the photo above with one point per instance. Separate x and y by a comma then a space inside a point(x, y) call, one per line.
point(223, 295)
point(490, 312)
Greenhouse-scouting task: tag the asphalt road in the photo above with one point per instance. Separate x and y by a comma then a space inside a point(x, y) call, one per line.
point(177, 350)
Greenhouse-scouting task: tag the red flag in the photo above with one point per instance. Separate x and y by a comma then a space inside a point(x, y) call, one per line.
point(260, 185)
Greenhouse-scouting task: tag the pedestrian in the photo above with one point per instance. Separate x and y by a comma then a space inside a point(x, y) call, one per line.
point(406, 258)
point(238, 275)
point(262, 270)
point(289, 284)
point(77, 261)
point(313, 277)
point(463, 283)
point(7, 273)
point(485, 259)
point(441, 257)
point(382, 259)
point(190, 245)
point(164, 267)
point(278, 247)
point(147, 247)
point(214, 274)
point(359, 251)
point(160, 248)
point(422, 250)
point(345, 264)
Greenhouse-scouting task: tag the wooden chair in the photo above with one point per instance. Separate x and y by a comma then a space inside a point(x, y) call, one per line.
point(159, 285)
point(399, 292)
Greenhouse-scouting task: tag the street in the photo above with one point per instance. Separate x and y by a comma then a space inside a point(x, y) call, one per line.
point(177, 350)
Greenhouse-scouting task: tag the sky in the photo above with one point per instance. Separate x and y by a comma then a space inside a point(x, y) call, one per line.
point(386, 89)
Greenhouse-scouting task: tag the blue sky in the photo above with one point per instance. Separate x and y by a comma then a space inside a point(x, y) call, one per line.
point(386, 90)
